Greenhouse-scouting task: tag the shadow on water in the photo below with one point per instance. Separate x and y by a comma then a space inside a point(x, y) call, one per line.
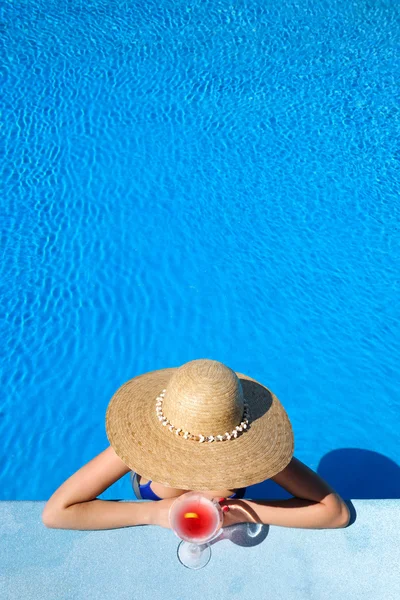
point(354, 473)
point(361, 474)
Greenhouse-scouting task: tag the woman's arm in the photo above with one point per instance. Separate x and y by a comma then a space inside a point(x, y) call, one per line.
point(74, 505)
point(314, 506)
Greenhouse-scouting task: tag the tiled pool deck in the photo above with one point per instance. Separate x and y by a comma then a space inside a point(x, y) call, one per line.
point(360, 562)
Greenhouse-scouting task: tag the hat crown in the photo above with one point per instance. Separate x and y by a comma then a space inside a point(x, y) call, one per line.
point(204, 396)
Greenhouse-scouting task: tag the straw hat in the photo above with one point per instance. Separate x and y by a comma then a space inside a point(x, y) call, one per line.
point(199, 427)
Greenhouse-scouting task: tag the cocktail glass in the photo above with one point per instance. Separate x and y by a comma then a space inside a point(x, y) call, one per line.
point(196, 520)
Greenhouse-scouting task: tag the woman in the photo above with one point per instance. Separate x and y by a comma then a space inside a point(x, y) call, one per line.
point(153, 424)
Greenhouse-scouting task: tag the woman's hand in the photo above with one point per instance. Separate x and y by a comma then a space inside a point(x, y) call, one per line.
point(237, 511)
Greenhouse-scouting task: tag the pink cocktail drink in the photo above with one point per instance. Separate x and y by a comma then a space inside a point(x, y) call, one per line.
point(195, 518)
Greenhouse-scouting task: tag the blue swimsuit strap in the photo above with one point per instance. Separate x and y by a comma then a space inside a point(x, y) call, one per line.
point(146, 493)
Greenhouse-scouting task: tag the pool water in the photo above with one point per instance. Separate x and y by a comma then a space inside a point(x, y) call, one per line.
point(198, 179)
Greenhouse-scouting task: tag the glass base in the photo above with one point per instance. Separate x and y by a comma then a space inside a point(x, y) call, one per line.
point(194, 556)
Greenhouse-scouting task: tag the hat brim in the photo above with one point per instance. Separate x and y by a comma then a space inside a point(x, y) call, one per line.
point(149, 449)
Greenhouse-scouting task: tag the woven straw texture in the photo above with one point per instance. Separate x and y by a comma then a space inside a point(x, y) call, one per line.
point(203, 397)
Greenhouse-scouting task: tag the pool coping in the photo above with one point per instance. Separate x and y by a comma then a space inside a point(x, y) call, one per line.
point(359, 562)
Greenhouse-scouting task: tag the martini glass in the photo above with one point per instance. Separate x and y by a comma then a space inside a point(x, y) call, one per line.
point(196, 520)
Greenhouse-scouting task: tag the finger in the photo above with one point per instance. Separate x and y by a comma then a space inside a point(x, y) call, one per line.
point(224, 507)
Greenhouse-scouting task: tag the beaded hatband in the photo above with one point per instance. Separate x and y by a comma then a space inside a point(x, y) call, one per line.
point(200, 438)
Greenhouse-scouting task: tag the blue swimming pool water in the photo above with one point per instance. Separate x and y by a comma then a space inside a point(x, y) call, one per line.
point(198, 179)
